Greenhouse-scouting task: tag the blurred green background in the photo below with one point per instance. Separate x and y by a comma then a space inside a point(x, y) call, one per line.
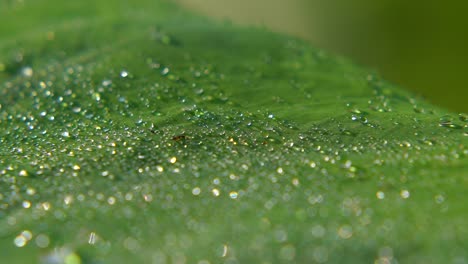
point(422, 46)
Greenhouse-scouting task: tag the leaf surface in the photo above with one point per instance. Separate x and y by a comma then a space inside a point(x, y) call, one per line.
point(138, 132)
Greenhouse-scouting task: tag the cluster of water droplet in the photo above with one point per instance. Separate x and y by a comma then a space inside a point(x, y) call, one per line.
point(172, 151)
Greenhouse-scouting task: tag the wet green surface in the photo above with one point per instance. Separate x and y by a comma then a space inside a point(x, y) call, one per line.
point(148, 135)
point(421, 48)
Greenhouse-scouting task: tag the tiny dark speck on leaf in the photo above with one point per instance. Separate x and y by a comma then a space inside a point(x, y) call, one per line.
point(179, 137)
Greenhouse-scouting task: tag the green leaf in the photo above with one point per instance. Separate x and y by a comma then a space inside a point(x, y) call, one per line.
point(135, 132)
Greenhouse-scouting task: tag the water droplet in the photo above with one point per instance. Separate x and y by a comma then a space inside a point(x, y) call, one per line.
point(42, 241)
point(215, 192)
point(27, 71)
point(26, 204)
point(429, 142)
point(345, 231)
point(447, 121)
point(76, 109)
point(295, 182)
point(380, 195)
point(418, 110)
point(233, 195)
point(92, 238)
point(405, 194)
point(30, 191)
point(27, 234)
point(111, 200)
point(318, 231)
point(106, 83)
point(225, 251)
point(165, 71)
point(405, 144)
point(124, 74)
point(463, 117)
point(347, 132)
point(439, 198)
point(62, 255)
point(196, 191)
point(148, 197)
point(96, 97)
point(20, 241)
point(68, 199)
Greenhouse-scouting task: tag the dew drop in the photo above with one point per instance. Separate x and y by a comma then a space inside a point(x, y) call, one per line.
point(165, 71)
point(26, 204)
point(106, 83)
point(215, 192)
point(111, 200)
point(345, 232)
point(68, 199)
point(405, 194)
point(295, 182)
point(318, 231)
point(124, 74)
point(76, 109)
point(447, 121)
point(196, 191)
point(30, 191)
point(439, 198)
point(233, 195)
point(380, 195)
point(27, 71)
point(463, 117)
point(62, 255)
point(147, 197)
point(42, 241)
point(27, 234)
point(20, 241)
